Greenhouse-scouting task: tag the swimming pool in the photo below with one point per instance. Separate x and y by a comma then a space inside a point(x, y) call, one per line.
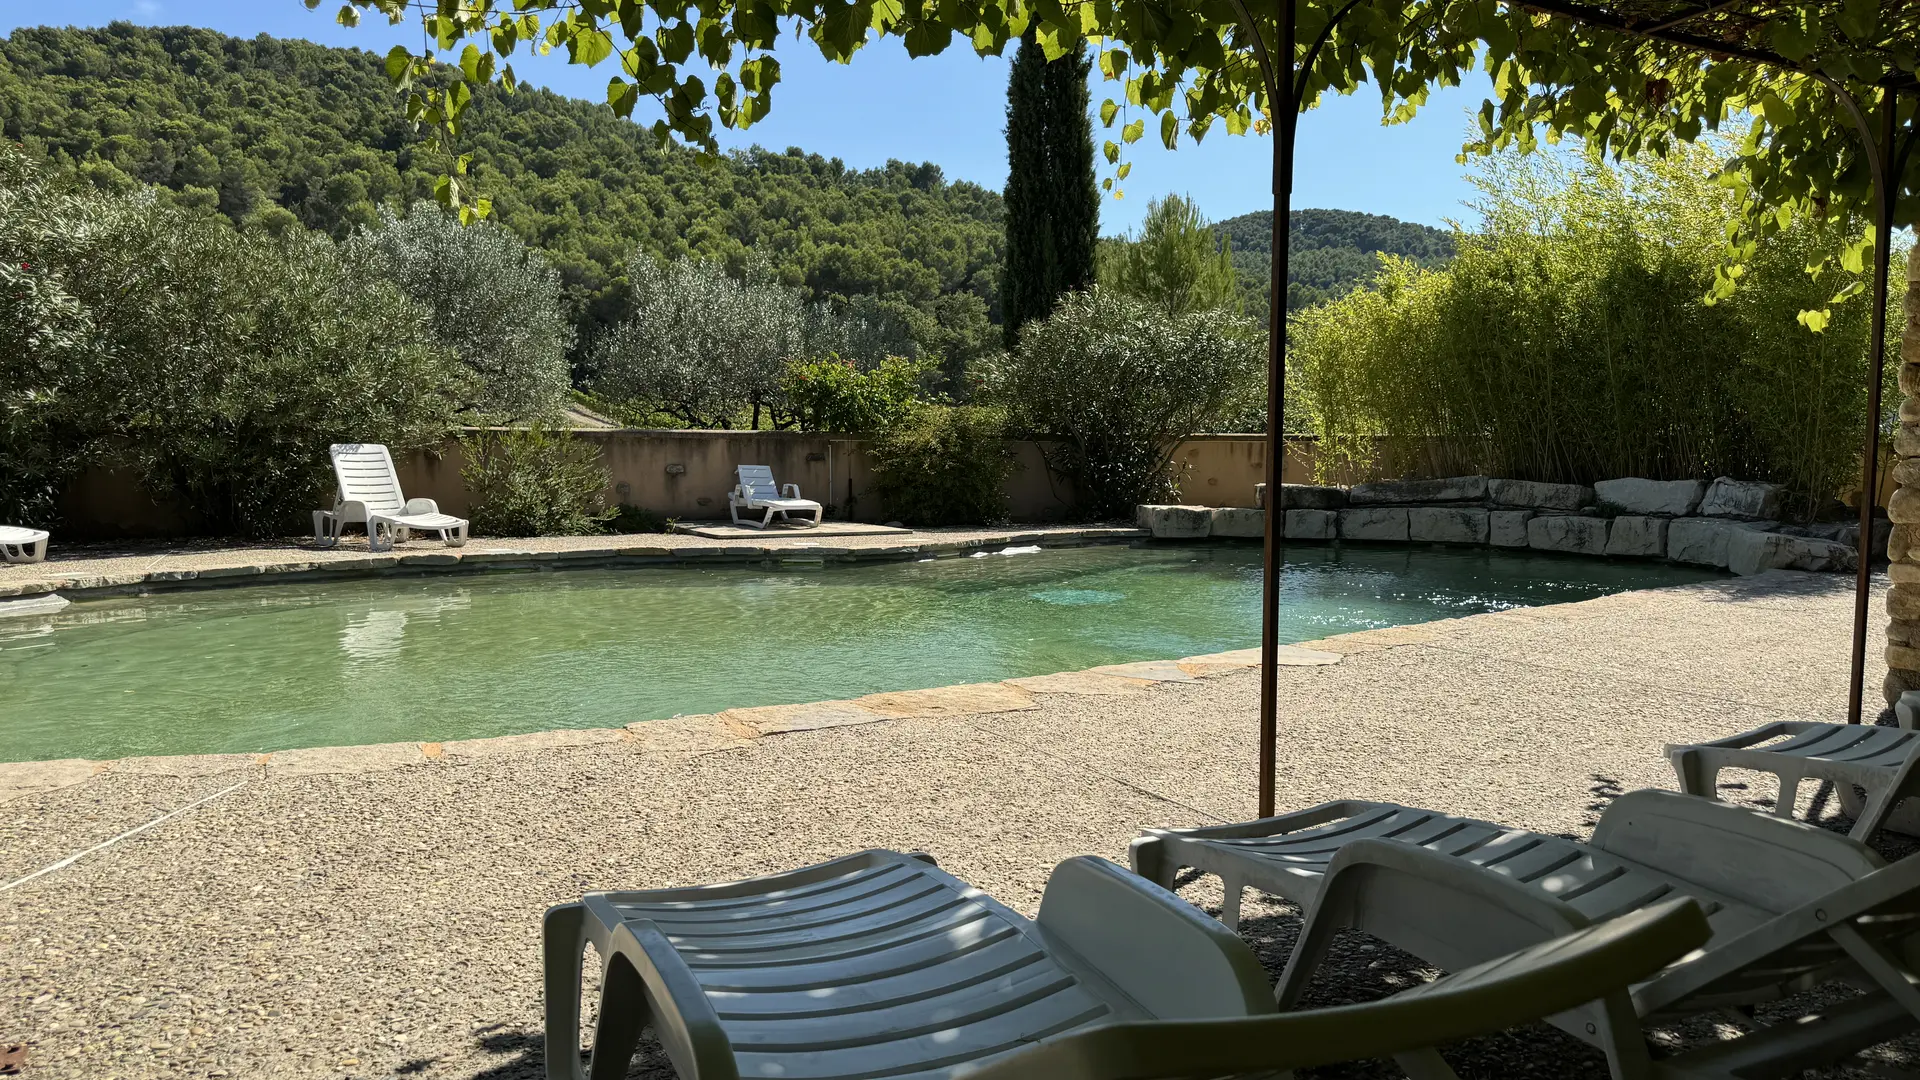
point(424, 659)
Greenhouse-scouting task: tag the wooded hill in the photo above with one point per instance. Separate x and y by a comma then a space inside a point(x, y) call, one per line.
point(269, 131)
point(1330, 252)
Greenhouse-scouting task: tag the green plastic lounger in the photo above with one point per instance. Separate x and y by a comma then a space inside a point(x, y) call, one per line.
point(1872, 769)
point(879, 964)
point(1790, 906)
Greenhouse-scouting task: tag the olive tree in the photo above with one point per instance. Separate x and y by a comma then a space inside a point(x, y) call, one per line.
point(495, 302)
point(1119, 383)
point(700, 344)
point(214, 364)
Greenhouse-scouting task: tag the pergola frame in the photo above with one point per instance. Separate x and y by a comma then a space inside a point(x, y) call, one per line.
point(1886, 155)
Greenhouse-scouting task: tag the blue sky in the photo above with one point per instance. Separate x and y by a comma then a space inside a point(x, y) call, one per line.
point(949, 110)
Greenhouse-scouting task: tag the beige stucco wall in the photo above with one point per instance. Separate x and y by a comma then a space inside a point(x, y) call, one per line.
point(686, 474)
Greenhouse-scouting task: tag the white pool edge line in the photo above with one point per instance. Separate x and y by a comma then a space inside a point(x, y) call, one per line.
point(135, 831)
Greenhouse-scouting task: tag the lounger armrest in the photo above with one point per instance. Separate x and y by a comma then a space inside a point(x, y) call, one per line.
point(1553, 977)
point(421, 506)
point(1774, 863)
point(1160, 951)
point(791, 491)
point(682, 1016)
point(1448, 911)
point(352, 510)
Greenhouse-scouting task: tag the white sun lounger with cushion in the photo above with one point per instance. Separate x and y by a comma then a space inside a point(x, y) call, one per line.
point(22, 545)
point(1790, 906)
point(879, 964)
point(757, 493)
point(369, 494)
point(1872, 769)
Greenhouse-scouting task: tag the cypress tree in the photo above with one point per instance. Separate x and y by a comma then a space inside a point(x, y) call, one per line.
point(1053, 204)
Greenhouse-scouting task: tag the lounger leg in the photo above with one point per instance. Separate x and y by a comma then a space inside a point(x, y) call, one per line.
point(564, 943)
point(459, 536)
point(1148, 856)
point(1696, 776)
point(1230, 907)
point(623, 1015)
point(1789, 796)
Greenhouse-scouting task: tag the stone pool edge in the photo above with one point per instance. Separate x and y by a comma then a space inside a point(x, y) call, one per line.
point(330, 566)
point(731, 729)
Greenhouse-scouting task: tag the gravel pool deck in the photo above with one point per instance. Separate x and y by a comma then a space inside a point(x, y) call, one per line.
point(379, 916)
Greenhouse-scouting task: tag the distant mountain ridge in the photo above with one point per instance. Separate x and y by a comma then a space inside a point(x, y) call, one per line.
point(1331, 252)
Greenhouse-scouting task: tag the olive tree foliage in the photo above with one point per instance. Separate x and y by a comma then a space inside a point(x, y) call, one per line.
point(699, 343)
point(495, 302)
point(214, 365)
point(1195, 67)
point(713, 350)
point(1119, 383)
point(1176, 262)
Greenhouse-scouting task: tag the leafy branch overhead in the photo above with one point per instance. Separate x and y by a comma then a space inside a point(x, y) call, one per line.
point(1193, 64)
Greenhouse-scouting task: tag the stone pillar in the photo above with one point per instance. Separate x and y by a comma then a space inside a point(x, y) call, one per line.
point(1903, 545)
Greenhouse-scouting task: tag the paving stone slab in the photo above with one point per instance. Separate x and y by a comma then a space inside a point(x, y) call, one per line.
point(1539, 496)
point(322, 760)
point(698, 734)
point(1508, 528)
point(1392, 492)
point(461, 749)
point(1634, 495)
point(1080, 682)
point(775, 719)
point(1371, 523)
point(1150, 670)
point(965, 700)
point(1313, 524)
point(1446, 525)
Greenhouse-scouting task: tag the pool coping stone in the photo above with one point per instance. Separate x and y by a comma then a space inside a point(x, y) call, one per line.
point(103, 576)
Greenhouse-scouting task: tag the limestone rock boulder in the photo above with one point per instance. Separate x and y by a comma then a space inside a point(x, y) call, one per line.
point(1568, 533)
point(1751, 552)
point(1378, 523)
point(1904, 507)
point(1176, 522)
point(1388, 492)
point(1508, 528)
point(1700, 541)
point(1313, 524)
point(1238, 521)
point(1539, 496)
point(1752, 499)
point(1906, 439)
point(1640, 536)
point(1312, 497)
point(1633, 495)
point(1447, 524)
point(1903, 602)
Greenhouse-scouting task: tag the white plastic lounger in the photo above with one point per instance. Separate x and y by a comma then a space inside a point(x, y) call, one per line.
point(369, 493)
point(879, 964)
point(22, 545)
point(1790, 906)
point(756, 492)
point(1871, 768)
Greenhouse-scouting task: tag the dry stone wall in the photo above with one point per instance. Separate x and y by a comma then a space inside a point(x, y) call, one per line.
point(1903, 599)
point(1728, 524)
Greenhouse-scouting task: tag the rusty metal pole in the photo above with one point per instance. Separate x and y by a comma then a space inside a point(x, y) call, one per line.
point(1885, 190)
point(1276, 69)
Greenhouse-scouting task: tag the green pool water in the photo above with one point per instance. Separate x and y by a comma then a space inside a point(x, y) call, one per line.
point(436, 658)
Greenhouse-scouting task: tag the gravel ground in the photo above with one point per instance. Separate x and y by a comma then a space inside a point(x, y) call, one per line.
point(387, 923)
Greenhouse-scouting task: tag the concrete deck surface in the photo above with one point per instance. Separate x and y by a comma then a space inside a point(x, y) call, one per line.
point(386, 923)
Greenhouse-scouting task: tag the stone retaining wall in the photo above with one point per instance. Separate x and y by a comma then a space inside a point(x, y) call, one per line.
point(1728, 524)
point(1903, 599)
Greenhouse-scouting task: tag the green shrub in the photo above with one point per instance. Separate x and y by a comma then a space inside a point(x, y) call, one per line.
point(216, 365)
point(1120, 383)
point(945, 465)
point(1570, 341)
point(834, 395)
point(534, 482)
point(634, 519)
